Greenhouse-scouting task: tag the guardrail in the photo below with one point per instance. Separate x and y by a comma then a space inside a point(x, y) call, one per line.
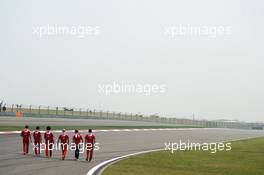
point(66, 112)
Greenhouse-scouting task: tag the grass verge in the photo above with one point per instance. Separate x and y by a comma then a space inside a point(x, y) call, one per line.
point(246, 157)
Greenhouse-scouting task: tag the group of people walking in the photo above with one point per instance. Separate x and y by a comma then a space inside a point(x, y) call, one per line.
point(63, 141)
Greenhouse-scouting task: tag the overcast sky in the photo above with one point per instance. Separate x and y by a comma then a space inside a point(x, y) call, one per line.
point(214, 77)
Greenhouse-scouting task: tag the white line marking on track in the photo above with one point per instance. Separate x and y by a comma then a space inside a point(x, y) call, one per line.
point(95, 168)
point(118, 130)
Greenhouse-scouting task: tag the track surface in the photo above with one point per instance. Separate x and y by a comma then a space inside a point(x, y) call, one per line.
point(13, 121)
point(112, 144)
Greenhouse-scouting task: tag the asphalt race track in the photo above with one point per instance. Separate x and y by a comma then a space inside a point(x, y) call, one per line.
point(112, 144)
point(14, 121)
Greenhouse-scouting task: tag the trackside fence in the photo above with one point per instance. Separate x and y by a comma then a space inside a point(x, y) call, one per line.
point(71, 112)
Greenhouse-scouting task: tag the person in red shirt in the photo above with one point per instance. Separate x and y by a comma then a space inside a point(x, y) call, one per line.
point(26, 138)
point(37, 141)
point(64, 141)
point(49, 141)
point(89, 142)
point(77, 139)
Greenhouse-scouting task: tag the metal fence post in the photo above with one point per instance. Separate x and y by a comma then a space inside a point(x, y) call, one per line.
point(57, 108)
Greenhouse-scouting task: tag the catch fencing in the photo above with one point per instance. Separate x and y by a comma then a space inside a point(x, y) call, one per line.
point(71, 112)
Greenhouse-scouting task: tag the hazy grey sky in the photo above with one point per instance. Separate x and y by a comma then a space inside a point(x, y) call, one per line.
point(213, 77)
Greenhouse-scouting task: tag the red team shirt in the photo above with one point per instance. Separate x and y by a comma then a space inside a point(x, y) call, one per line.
point(77, 138)
point(25, 133)
point(90, 138)
point(64, 138)
point(37, 136)
point(48, 136)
